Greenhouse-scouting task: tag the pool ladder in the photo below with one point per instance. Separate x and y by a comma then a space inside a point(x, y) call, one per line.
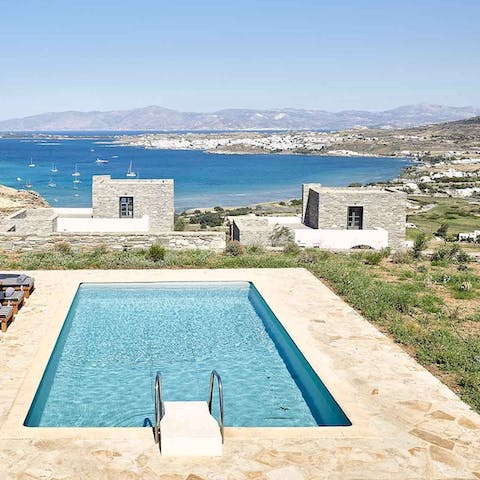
point(160, 406)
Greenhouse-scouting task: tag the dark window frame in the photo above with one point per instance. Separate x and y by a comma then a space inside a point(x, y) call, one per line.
point(125, 207)
point(355, 218)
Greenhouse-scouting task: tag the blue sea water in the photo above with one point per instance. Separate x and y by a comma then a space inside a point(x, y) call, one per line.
point(201, 179)
point(116, 336)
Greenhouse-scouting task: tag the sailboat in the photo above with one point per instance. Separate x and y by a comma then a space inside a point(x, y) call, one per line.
point(76, 173)
point(51, 183)
point(100, 160)
point(54, 168)
point(130, 172)
point(28, 184)
point(31, 164)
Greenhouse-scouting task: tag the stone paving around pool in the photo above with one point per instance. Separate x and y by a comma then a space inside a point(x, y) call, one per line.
point(406, 423)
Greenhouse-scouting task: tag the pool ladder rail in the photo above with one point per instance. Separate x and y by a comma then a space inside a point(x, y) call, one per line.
point(185, 423)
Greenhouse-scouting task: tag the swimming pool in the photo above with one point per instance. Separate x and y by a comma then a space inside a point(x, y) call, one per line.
point(117, 335)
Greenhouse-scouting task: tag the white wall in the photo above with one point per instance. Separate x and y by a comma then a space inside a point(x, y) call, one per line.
point(283, 220)
point(99, 225)
point(341, 239)
point(74, 212)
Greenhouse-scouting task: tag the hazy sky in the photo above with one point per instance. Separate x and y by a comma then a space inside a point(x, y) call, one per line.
point(203, 55)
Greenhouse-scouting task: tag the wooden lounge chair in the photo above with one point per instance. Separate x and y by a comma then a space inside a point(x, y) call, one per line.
point(6, 315)
point(14, 300)
point(18, 282)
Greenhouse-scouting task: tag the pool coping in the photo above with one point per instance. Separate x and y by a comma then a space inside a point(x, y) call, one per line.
point(13, 427)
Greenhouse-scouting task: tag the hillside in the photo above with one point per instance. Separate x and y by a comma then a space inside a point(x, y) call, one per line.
point(158, 118)
point(12, 200)
point(460, 139)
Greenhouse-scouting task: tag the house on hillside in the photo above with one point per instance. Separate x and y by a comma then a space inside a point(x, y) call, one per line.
point(335, 219)
point(118, 206)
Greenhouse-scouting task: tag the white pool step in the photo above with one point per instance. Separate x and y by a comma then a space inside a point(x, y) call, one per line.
point(188, 429)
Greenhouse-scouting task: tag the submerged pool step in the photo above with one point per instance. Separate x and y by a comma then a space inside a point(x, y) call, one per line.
point(188, 429)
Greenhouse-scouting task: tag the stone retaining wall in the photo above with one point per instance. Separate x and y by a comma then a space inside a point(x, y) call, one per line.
point(12, 241)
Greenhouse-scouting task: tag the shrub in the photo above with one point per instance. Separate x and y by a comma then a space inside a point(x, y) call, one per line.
point(296, 202)
point(291, 248)
point(255, 248)
point(179, 225)
point(281, 235)
point(445, 255)
point(218, 209)
point(239, 211)
point(234, 249)
point(63, 247)
point(156, 252)
point(462, 257)
point(419, 244)
point(210, 219)
point(100, 250)
point(373, 258)
point(442, 230)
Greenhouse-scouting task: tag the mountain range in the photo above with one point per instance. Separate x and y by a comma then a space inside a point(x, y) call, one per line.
point(159, 118)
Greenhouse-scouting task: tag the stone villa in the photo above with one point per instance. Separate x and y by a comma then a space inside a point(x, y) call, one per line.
point(133, 213)
point(334, 218)
point(125, 213)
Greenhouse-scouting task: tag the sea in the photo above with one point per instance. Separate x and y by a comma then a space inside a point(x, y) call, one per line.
point(201, 179)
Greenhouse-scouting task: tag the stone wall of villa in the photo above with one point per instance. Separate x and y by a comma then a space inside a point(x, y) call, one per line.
point(40, 221)
point(326, 208)
point(12, 241)
point(152, 197)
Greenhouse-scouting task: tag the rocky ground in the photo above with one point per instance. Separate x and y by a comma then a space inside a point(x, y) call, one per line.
point(12, 200)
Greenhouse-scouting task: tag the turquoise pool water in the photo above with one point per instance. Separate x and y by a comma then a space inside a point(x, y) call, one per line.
point(116, 336)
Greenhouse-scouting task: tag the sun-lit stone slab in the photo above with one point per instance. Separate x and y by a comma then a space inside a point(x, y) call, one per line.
point(188, 429)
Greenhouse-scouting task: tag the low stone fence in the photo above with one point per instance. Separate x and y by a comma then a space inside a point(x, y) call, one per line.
point(12, 241)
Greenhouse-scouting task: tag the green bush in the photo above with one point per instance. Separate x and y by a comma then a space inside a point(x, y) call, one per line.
point(442, 230)
point(255, 248)
point(208, 219)
point(373, 258)
point(179, 225)
point(462, 257)
point(156, 252)
point(419, 244)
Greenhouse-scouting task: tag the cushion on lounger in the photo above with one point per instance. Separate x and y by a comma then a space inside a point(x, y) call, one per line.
point(9, 292)
point(22, 277)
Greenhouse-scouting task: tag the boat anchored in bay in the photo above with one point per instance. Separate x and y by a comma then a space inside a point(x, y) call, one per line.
point(130, 172)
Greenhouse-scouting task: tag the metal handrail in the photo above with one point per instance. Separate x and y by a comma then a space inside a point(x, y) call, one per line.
point(159, 408)
point(214, 375)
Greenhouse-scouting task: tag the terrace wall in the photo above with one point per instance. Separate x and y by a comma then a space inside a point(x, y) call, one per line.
point(12, 241)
